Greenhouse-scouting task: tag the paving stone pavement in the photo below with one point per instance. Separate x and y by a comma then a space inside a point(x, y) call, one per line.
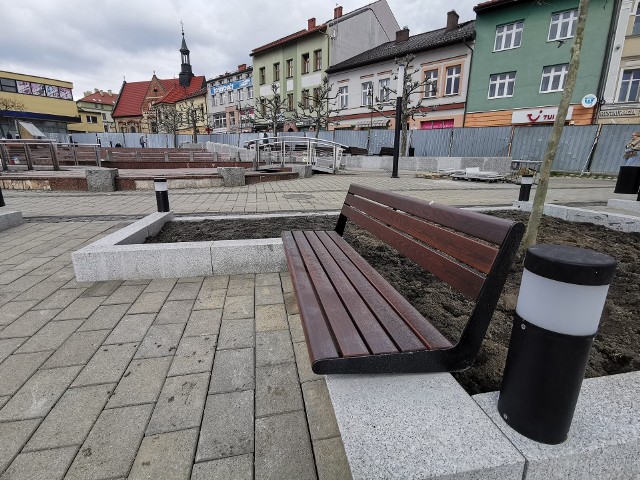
point(203, 378)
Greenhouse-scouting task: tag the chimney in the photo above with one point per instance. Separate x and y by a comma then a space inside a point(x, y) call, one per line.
point(402, 35)
point(311, 23)
point(452, 20)
point(242, 67)
point(96, 90)
point(87, 93)
point(337, 12)
point(110, 93)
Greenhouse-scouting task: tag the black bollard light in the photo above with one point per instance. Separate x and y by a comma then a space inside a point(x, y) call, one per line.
point(525, 187)
point(162, 194)
point(560, 303)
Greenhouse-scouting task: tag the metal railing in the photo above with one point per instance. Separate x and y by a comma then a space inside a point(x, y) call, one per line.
point(310, 151)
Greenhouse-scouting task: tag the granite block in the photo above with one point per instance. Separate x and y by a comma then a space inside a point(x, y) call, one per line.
point(9, 218)
point(232, 176)
point(233, 257)
point(101, 179)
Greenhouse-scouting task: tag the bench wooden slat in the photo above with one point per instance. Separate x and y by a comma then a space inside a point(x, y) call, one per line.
point(490, 229)
point(462, 279)
point(467, 250)
point(420, 325)
point(370, 330)
point(381, 298)
point(320, 343)
point(344, 332)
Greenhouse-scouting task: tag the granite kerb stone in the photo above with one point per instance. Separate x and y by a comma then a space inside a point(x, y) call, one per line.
point(10, 218)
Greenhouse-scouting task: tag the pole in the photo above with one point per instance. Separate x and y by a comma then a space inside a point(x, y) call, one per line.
point(162, 194)
point(396, 136)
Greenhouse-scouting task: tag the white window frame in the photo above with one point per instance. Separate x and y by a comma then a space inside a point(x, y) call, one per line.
point(367, 94)
point(215, 100)
point(289, 66)
point(568, 17)
point(250, 92)
point(431, 89)
point(276, 72)
point(508, 36)
point(502, 80)
point(636, 22)
point(343, 94)
point(240, 94)
point(450, 80)
point(634, 79)
point(230, 95)
point(383, 89)
point(222, 98)
point(551, 72)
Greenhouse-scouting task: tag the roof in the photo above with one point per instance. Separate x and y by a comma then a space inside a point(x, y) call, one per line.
point(416, 43)
point(288, 38)
point(492, 4)
point(100, 97)
point(133, 94)
point(248, 69)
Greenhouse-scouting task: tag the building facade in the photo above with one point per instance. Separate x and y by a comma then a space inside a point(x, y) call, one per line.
point(439, 66)
point(95, 110)
point(620, 100)
point(230, 101)
point(45, 103)
point(521, 59)
point(296, 63)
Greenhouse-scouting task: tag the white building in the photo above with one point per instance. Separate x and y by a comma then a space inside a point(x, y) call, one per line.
point(230, 101)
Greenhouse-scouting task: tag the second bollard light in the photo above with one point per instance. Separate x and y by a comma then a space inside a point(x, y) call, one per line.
point(162, 194)
point(525, 187)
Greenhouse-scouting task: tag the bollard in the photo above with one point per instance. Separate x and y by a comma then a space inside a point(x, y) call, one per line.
point(560, 303)
point(162, 194)
point(525, 187)
point(2, 204)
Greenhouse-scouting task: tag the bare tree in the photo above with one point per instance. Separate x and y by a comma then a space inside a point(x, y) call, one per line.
point(167, 119)
point(318, 107)
point(270, 110)
point(531, 234)
point(192, 115)
point(9, 105)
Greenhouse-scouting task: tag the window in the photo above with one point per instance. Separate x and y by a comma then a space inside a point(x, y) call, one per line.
point(222, 99)
point(636, 22)
point(215, 100)
point(343, 97)
point(305, 63)
point(263, 107)
point(553, 78)
point(317, 60)
point(501, 85)
point(508, 36)
point(452, 86)
point(563, 25)
point(305, 98)
point(230, 95)
point(276, 72)
point(383, 89)
point(92, 119)
point(8, 85)
point(290, 102)
point(104, 116)
point(249, 93)
point(240, 94)
point(290, 68)
point(367, 94)
point(263, 79)
point(220, 120)
point(316, 96)
point(431, 83)
point(629, 86)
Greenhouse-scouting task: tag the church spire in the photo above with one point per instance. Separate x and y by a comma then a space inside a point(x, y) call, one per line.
point(185, 71)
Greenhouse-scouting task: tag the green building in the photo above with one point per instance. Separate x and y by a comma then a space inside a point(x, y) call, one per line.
point(521, 58)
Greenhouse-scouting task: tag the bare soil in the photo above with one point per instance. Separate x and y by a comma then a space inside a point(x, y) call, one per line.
point(615, 347)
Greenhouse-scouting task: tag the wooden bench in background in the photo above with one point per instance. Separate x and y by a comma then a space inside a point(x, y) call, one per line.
point(355, 322)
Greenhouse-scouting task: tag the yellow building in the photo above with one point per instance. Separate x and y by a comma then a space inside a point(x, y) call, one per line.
point(45, 103)
point(194, 112)
point(95, 112)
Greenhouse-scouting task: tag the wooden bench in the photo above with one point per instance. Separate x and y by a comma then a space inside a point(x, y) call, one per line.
point(356, 322)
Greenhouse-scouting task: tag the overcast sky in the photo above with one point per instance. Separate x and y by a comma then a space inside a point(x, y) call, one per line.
point(95, 44)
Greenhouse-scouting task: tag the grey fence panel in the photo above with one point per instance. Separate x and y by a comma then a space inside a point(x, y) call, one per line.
point(352, 138)
point(431, 143)
point(82, 138)
point(327, 135)
point(574, 148)
point(379, 139)
point(481, 142)
point(609, 154)
point(529, 143)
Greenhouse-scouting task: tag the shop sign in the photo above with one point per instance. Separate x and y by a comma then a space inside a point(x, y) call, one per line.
point(621, 112)
point(227, 87)
point(589, 100)
point(537, 115)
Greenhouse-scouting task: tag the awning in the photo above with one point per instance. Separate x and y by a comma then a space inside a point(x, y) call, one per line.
point(29, 130)
point(378, 122)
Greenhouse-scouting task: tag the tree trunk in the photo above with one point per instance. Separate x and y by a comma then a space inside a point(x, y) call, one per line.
point(533, 225)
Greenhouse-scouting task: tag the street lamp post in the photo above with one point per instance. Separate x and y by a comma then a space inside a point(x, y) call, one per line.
point(396, 137)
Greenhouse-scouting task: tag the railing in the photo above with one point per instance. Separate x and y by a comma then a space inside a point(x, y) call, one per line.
point(311, 151)
point(14, 154)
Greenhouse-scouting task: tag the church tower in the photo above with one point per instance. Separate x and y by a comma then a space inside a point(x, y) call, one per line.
point(185, 71)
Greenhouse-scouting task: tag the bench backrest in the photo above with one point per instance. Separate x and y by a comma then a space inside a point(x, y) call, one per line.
point(470, 251)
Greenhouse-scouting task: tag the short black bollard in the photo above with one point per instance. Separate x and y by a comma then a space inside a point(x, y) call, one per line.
point(525, 187)
point(2, 204)
point(162, 194)
point(561, 298)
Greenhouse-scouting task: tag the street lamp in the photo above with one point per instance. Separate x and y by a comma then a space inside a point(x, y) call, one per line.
point(396, 138)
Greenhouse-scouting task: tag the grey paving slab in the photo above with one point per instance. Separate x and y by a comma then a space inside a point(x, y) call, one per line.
point(239, 467)
point(290, 303)
point(51, 336)
point(59, 299)
point(240, 285)
point(149, 302)
point(227, 426)
point(209, 298)
point(180, 405)
point(216, 282)
point(160, 285)
point(203, 322)
point(283, 448)
point(125, 294)
point(8, 346)
point(138, 281)
point(6, 297)
point(271, 317)
point(43, 465)
point(132, 328)
point(266, 279)
point(185, 291)
point(191, 280)
point(167, 455)
point(40, 291)
point(233, 370)
point(111, 447)
point(12, 310)
point(236, 334)
point(194, 355)
point(13, 436)
point(39, 394)
point(273, 347)
point(102, 289)
point(77, 349)
point(285, 281)
point(238, 307)
point(160, 341)
point(23, 283)
point(10, 276)
point(269, 295)
point(141, 383)
point(107, 365)
point(106, 317)
point(70, 421)
point(277, 390)
point(4, 400)
point(81, 307)
point(175, 311)
point(17, 369)
point(305, 373)
point(331, 460)
point(320, 416)
point(28, 324)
